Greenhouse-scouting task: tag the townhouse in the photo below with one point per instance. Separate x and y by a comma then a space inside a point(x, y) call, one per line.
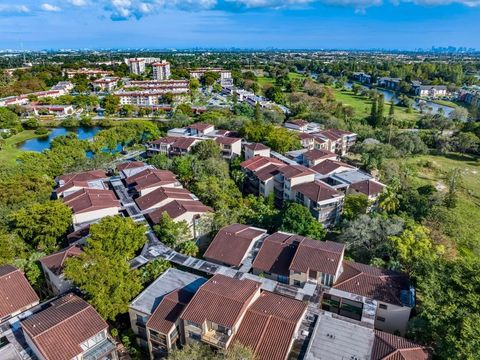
point(259, 173)
point(106, 84)
point(69, 328)
point(310, 158)
point(161, 197)
point(193, 212)
point(150, 179)
point(370, 188)
point(151, 97)
point(256, 149)
point(57, 90)
point(171, 146)
point(309, 141)
point(324, 202)
point(230, 147)
point(52, 266)
point(362, 77)
point(287, 177)
point(91, 205)
point(166, 85)
point(335, 140)
point(330, 167)
point(233, 244)
point(71, 183)
point(131, 168)
point(16, 293)
point(431, 91)
point(296, 260)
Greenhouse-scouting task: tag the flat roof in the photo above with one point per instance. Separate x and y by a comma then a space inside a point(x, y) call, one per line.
point(336, 338)
point(169, 281)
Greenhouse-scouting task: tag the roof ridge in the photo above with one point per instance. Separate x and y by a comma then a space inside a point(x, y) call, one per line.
point(11, 272)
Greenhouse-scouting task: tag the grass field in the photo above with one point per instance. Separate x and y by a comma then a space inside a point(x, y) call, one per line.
point(463, 224)
point(363, 106)
point(10, 152)
point(263, 80)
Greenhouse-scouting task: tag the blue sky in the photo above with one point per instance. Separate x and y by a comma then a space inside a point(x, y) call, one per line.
point(346, 24)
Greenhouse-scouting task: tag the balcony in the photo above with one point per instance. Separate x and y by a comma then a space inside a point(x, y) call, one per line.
point(215, 338)
point(100, 351)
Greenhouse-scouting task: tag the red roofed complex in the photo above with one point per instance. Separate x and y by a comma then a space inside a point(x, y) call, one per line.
point(68, 328)
point(52, 266)
point(70, 183)
point(329, 167)
point(270, 325)
point(229, 146)
point(391, 347)
point(162, 196)
point(314, 157)
point(232, 244)
point(256, 149)
point(16, 294)
point(150, 179)
point(214, 314)
point(371, 188)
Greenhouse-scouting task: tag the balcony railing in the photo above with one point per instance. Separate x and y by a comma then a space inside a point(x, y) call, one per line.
point(99, 351)
point(215, 338)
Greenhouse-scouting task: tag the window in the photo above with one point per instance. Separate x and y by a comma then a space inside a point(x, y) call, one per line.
point(383, 306)
point(141, 320)
point(379, 318)
point(194, 336)
point(297, 283)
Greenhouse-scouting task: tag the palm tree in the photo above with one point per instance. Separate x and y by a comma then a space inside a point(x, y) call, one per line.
point(389, 201)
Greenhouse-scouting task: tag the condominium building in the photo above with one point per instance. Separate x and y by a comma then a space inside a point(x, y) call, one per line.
point(137, 65)
point(161, 70)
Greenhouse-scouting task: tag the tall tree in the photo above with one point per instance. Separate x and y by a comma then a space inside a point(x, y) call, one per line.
point(297, 219)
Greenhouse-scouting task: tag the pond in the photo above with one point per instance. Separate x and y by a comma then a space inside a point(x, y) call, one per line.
point(43, 143)
point(428, 106)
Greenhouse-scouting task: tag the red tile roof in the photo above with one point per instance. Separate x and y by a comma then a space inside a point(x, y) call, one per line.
point(268, 327)
point(317, 154)
point(151, 178)
point(305, 136)
point(59, 330)
point(391, 347)
point(83, 176)
point(55, 261)
point(221, 300)
point(16, 293)
point(130, 165)
point(328, 166)
point(258, 162)
point(176, 208)
point(231, 243)
point(227, 140)
point(317, 191)
point(161, 194)
point(320, 256)
point(268, 172)
point(276, 253)
point(166, 140)
point(298, 122)
point(86, 200)
point(293, 171)
point(257, 147)
point(200, 126)
point(368, 187)
point(184, 143)
point(168, 311)
point(371, 282)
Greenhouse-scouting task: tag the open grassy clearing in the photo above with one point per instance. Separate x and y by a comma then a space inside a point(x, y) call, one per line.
point(463, 223)
point(10, 152)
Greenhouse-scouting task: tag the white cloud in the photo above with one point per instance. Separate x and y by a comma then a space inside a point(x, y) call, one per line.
point(78, 2)
point(50, 7)
point(14, 9)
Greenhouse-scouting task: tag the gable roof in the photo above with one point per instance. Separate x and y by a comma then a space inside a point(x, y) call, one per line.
point(231, 243)
point(200, 126)
point(130, 165)
point(276, 253)
point(151, 177)
point(55, 261)
point(221, 300)
point(161, 194)
point(258, 162)
point(269, 324)
point(176, 208)
point(184, 143)
point(257, 147)
point(321, 256)
point(168, 311)
point(318, 154)
point(371, 282)
point(297, 122)
point(83, 176)
point(59, 330)
point(15, 291)
point(268, 172)
point(85, 200)
point(317, 191)
point(293, 171)
point(328, 166)
point(223, 140)
point(368, 187)
point(391, 347)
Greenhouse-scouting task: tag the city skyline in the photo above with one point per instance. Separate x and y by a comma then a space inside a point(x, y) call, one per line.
point(243, 24)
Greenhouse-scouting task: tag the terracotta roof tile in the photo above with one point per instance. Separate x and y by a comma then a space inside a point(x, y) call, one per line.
point(318, 154)
point(268, 327)
point(317, 191)
point(257, 147)
point(321, 256)
point(328, 166)
point(86, 200)
point(176, 208)
point(59, 330)
point(231, 243)
point(161, 194)
point(227, 140)
point(298, 122)
point(15, 291)
point(221, 300)
point(130, 165)
point(368, 187)
point(371, 282)
point(151, 178)
point(292, 171)
point(83, 176)
point(268, 172)
point(258, 162)
point(200, 126)
point(55, 262)
point(391, 347)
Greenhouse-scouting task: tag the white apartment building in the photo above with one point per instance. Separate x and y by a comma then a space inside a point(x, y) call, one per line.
point(137, 65)
point(161, 70)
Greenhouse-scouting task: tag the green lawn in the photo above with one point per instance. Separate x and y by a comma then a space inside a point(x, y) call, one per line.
point(463, 224)
point(10, 152)
point(363, 106)
point(263, 80)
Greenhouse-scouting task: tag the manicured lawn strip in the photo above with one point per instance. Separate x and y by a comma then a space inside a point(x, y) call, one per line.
point(9, 154)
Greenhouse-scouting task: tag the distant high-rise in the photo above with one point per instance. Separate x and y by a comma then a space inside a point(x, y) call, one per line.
point(161, 70)
point(137, 66)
